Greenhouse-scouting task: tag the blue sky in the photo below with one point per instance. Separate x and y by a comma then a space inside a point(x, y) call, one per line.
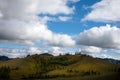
point(89, 26)
point(75, 26)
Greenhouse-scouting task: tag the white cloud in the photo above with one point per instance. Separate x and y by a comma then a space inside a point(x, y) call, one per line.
point(104, 36)
point(22, 32)
point(106, 56)
point(13, 52)
point(56, 51)
point(91, 49)
point(61, 40)
point(20, 23)
point(31, 32)
point(45, 19)
point(1, 15)
point(28, 9)
point(64, 18)
point(54, 7)
point(117, 50)
point(105, 10)
point(34, 50)
point(19, 9)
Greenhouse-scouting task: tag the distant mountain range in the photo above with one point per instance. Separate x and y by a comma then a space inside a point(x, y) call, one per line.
point(4, 58)
point(112, 60)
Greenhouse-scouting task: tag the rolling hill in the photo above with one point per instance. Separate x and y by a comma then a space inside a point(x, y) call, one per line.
point(64, 67)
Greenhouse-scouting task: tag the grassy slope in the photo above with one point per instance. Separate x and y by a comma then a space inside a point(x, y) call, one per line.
point(62, 67)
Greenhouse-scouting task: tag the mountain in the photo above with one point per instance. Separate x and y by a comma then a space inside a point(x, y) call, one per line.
point(4, 58)
point(112, 60)
point(63, 67)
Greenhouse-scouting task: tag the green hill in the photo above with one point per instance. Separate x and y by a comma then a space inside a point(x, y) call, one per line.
point(65, 67)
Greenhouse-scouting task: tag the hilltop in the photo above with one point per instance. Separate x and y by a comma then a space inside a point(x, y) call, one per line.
point(63, 67)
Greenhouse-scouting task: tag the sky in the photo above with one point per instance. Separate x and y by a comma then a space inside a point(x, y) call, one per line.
point(60, 26)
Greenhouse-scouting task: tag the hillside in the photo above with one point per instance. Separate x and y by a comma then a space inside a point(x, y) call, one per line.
point(65, 67)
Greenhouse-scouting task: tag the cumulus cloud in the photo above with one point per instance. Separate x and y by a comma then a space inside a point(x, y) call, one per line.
point(56, 51)
point(13, 53)
point(105, 10)
point(59, 7)
point(106, 56)
point(20, 23)
point(34, 50)
point(104, 37)
point(29, 33)
point(24, 9)
point(90, 50)
point(61, 40)
point(63, 18)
